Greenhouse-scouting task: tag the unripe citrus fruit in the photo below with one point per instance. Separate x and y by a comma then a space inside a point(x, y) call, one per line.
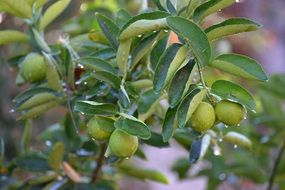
point(122, 144)
point(100, 128)
point(230, 113)
point(203, 117)
point(33, 68)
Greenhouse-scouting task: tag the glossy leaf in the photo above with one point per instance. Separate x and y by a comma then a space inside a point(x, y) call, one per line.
point(192, 5)
point(179, 83)
point(205, 143)
point(133, 126)
point(109, 28)
point(143, 174)
point(56, 156)
point(26, 137)
point(189, 104)
point(229, 90)
point(107, 77)
point(106, 54)
point(12, 36)
point(19, 8)
point(123, 97)
point(122, 57)
point(210, 7)
point(237, 139)
point(53, 78)
point(169, 63)
point(169, 124)
point(157, 51)
point(170, 7)
point(142, 23)
point(230, 27)
point(239, 65)
point(159, 5)
point(53, 12)
point(142, 48)
point(194, 36)
point(95, 108)
point(36, 162)
point(96, 64)
point(122, 17)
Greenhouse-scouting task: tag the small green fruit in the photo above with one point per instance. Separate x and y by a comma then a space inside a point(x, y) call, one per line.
point(33, 68)
point(122, 144)
point(230, 113)
point(203, 117)
point(100, 128)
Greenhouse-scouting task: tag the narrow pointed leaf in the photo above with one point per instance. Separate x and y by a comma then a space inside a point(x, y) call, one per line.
point(230, 27)
point(210, 7)
point(19, 8)
point(169, 124)
point(239, 65)
point(194, 36)
point(169, 63)
point(122, 56)
point(56, 156)
point(170, 7)
point(195, 151)
point(229, 90)
point(179, 83)
point(157, 51)
point(238, 139)
point(95, 108)
point(107, 77)
point(109, 28)
point(35, 162)
point(12, 36)
point(53, 12)
point(122, 17)
point(96, 64)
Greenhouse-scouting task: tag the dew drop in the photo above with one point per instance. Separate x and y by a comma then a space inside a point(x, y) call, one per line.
point(238, 125)
point(220, 10)
point(85, 83)
point(165, 31)
point(48, 143)
point(235, 146)
point(81, 66)
point(12, 111)
point(222, 176)
point(237, 1)
point(154, 31)
point(82, 113)
point(220, 140)
point(77, 82)
point(139, 35)
point(226, 126)
point(127, 158)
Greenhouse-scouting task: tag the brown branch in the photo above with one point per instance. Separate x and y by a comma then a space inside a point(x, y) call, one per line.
point(99, 162)
point(275, 166)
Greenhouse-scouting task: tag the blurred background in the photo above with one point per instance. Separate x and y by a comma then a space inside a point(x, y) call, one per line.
point(237, 168)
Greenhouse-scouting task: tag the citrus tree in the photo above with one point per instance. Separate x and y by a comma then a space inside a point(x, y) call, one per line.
point(135, 80)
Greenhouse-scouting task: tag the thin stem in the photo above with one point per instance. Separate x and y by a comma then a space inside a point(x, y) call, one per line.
point(99, 162)
point(275, 166)
point(202, 78)
point(68, 91)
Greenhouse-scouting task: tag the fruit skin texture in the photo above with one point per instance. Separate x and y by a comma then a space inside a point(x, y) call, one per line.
point(230, 113)
point(100, 128)
point(33, 68)
point(203, 117)
point(122, 144)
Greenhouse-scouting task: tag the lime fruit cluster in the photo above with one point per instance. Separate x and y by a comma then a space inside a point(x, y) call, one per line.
point(33, 68)
point(121, 143)
point(228, 112)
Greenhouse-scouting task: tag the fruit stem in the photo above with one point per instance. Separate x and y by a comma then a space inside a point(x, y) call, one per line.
point(202, 78)
point(99, 162)
point(275, 166)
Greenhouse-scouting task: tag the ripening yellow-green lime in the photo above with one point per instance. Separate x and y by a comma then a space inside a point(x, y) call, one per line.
point(123, 144)
point(203, 117)
point(33, 68)
point(100, 128)
point(230, 113)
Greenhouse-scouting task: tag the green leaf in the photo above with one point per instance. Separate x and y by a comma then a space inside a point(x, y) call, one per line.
point(19, 8)
point(123, 55)
point(181, 166)
point(143, 174)
point(169, 124)
point(53, 78)
point(239, 65)
point(169, 63)
point(237, 139)
point(109, 28)
point(43, 179)
point(229, 90)
point(170, 7)
point(195, 150)
point(205, 143)
point(156, 140)
point(2, 150)
point(12, 36)
point(53, 12)
point(38, 110)
point(96, 64)
point(133, 126)
point(107, 77)
point(107, 53)
point(20, 98)
point(37, 3)
point(192, 5)
point(158, 4)
point(230, 27)
point(157, 51)
point(95, 108)
point(26, 138)
point(210, 7)
point(189, 104)
point(142, 23)
point(194, 36)
point(122, 17)
point(56, 156)
point(36, 162)
point(123, 97)
point(179, 84)
point(142, 48)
